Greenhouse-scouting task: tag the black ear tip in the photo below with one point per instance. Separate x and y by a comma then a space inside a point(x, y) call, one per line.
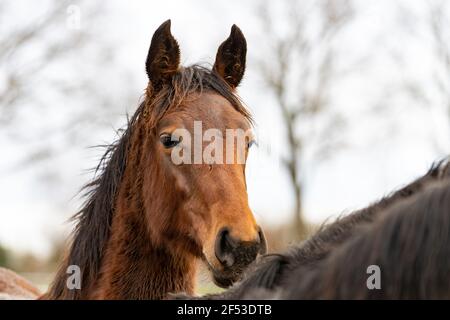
point(167, 24)
point(237, 35)
point(164, 28)
point(235, 30)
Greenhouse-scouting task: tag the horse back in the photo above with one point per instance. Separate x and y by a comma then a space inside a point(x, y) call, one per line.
point(13, 286)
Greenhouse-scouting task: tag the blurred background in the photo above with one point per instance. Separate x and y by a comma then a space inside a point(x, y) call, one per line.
point(351, 100)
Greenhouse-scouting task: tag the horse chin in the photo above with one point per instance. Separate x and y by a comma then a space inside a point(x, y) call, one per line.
point(224, 281)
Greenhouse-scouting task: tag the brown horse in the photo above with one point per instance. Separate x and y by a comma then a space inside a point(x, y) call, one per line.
point(148, 222)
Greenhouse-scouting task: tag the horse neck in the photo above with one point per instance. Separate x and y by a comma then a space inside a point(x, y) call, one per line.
point(133, 269)
point(134, 266)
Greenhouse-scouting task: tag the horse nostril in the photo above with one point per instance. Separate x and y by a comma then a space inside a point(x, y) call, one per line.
point(224, 247)
point(233, 253)
point(262, 242)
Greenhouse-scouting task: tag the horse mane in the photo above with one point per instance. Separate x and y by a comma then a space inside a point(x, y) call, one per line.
point(262, 279)
point(94, 219)
point(409, 242)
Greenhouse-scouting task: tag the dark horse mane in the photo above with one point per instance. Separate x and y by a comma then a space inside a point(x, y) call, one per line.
point(94, 220)
point(271, 276)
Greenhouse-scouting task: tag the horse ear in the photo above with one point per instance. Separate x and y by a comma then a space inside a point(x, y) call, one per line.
point(163, 56)
point(230, 58)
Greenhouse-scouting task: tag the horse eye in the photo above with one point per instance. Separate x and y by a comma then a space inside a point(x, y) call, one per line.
point(168, 141)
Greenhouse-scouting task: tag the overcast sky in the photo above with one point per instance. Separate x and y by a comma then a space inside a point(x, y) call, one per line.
point(387, 146)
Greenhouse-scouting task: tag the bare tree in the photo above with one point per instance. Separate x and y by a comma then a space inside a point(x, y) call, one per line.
point(53, 59)
point(430, 29)
point(31, 35)
point(300, 71)
point(439, 26)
